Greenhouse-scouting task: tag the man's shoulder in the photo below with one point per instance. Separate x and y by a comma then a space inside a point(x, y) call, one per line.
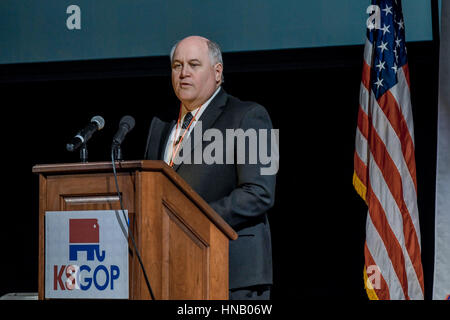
point(242, 108)
point(234, 101)
point(241, 113)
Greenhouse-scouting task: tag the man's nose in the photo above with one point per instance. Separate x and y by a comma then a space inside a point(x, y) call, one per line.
point(184, 72)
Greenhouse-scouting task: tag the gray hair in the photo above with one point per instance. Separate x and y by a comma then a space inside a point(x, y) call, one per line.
point(215, 54)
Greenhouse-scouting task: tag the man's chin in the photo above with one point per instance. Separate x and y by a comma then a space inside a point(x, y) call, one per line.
point(185, 99)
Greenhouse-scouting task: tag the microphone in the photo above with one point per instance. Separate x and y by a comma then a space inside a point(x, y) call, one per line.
point(126, 124)
point(97, 123)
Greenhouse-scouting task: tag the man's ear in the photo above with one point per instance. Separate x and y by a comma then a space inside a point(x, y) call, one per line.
point(218, 68)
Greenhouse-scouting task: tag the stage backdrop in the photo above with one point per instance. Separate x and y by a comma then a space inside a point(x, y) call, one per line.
point(49, 30)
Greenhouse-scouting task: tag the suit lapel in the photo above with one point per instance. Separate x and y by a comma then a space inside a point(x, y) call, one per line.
point(208, 118)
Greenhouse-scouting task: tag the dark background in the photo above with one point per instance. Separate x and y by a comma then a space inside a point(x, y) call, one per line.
point(318, 221)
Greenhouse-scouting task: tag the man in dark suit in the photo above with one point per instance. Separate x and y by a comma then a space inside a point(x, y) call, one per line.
point(225, 173)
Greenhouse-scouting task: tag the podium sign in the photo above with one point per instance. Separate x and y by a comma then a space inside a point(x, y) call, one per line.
point(86, 255)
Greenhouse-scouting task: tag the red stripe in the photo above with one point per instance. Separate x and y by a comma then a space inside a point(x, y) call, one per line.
point(363, 122)
point(406, 72)
point(394, 183)
point(378, 216)
point(360, 169)
point(366, 76)
point(392, 111)
point(359, 166)
point(382, 292)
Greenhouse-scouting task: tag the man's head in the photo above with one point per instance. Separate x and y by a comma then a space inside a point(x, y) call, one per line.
point(196, 70)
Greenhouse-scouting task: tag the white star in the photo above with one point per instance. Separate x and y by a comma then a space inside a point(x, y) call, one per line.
point(395, 68)
point(387, 10)
point(380, 65)
point(401, 24)
point(379, 82)
point(385, 29)
point(397, 42)
point(382, 46)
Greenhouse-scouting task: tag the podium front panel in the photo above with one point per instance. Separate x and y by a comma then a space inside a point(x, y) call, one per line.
point(183, 243)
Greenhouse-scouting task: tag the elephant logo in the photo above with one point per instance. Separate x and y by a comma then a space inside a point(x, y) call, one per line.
point(84, 236)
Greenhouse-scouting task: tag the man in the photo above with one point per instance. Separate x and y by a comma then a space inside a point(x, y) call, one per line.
point(237, 190)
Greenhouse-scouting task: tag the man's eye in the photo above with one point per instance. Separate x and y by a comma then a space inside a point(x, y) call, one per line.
point(176, 66)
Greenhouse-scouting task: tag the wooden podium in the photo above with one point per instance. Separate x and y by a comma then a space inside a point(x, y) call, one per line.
point(183, 242)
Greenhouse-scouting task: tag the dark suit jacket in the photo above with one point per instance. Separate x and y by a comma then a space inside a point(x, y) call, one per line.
point(237, 192)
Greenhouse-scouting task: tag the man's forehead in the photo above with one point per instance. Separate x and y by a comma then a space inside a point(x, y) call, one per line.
point(191, 48)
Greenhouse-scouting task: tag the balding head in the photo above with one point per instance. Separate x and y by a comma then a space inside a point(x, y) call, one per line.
point(214, 49)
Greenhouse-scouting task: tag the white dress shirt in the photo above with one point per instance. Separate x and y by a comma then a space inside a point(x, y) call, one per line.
point(175, 134)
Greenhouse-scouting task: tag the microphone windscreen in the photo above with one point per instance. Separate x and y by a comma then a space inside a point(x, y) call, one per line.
point(100, 122)
point(127, 120)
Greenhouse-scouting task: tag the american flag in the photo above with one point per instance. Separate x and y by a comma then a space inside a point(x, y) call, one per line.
point(384, 162)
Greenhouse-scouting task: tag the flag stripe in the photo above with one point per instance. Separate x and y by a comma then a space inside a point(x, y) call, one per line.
point(363, 128)
point(401, 93)
point(365, 81)
point(394, 251)
point(405, 70)
point(360, 168)
point(388, 104)
point(393, 144)
point(368, 52)
point(362, 134)
point(369, 261)
point(363, 117)
point(381, 258)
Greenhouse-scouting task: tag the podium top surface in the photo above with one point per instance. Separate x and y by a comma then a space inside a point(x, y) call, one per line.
point(79, 167)
point(139, 165)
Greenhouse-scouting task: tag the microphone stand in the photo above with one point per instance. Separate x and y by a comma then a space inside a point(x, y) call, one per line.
point(118, 153)
point(84, 153)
